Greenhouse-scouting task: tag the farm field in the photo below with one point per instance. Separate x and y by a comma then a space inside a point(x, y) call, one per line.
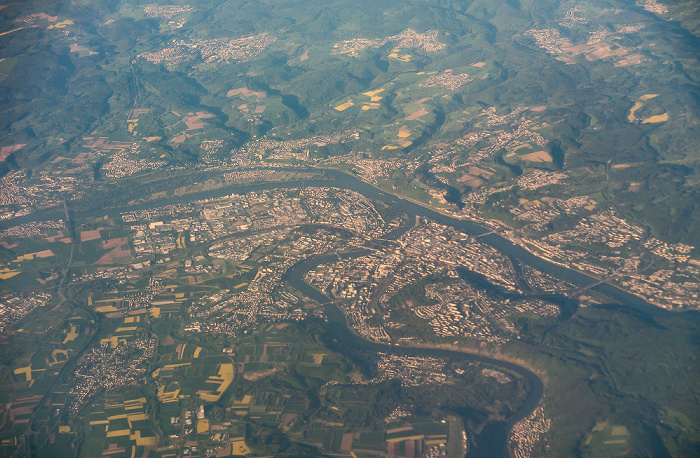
point(513, 180)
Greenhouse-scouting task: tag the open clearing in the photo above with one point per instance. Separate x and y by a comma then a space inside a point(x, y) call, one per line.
point(655, 119)
point(537, 156)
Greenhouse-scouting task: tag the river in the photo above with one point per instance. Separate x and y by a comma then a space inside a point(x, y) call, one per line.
point(493, 440)
point(412, 209)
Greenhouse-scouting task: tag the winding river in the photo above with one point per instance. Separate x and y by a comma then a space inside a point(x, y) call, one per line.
point(493, 440)
point(410, 208)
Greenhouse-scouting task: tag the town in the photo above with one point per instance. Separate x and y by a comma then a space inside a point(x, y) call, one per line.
point(214, 50)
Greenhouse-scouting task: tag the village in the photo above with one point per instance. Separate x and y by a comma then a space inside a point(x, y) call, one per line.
point(108, 367)
point(14, 307)
point(210, 50)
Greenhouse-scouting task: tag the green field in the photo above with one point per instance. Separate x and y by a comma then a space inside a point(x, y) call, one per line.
point(569, 128)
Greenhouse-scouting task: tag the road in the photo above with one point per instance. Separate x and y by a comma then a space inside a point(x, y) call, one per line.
point(68, 366)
